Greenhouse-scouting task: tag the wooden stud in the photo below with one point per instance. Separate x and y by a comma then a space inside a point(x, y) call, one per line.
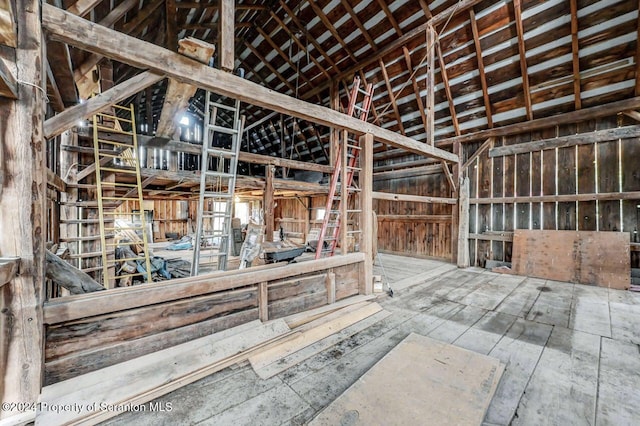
point(517, 6)
point(366, 205)
point(23, 216)
point(331, 287)
point(171, 14)
point(463, 227)
point(575, 50)
point(226, 35)
point(263, 301)
point(267, 204)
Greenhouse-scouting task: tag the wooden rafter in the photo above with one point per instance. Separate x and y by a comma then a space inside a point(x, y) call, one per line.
point(53, 93)
point(284, 56)
point(447, 89)
point(68, 28)
point(483, 76)
point(392, 98)
point(416, 89)
point(206, 5)
point(517, 6)
point(333, 32)
point(301, 46)
point(575, 49)
point(438, 19)
point(637, 89)
point(394, 23)
point(82, 7)
point(363, 30)
point(171, 16)
point(213, 26)
point(431, 41)
point(308, 35)
point(268, 65)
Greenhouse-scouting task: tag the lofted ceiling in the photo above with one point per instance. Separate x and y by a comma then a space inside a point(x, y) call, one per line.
point(498, 62)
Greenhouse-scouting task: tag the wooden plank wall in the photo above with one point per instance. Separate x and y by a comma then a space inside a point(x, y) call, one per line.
point(75, 346)
point(166, 217)
point(416, 229)
point(604, 167)
point(293, 215)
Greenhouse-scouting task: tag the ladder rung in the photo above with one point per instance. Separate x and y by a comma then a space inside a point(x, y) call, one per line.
point(354, 232)
point(227, 130)
point(223, 106)
point(126, 259)
point(354, 146)
point(217, 195)
point(112, 130)
point(220, 174)
point(354, 211)
point(102, 114)
point(358, 169)
point(126, 145)
point(128, 275)
point(125, 227)
point(127, 185)
point(123, 170)
point(221, 153)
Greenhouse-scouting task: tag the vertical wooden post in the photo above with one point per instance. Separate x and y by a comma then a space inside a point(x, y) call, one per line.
point(263, 301)
point(22, 216)
point(463, 230)
point(430, 106)
point(267, 203)
point(331, 286)
point(344, 194)
point(226, 36)
point(172, 30)
point(455, 210)
point(366, 187)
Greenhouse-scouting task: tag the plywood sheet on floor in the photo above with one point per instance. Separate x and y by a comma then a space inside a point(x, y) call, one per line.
point(420, 380)
point(586, 257)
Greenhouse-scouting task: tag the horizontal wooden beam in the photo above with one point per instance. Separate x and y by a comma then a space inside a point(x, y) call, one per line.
point(414, 218)
point(88, 305)
point(283, 162)
point(413, 198)
point(8, 84)
point(70, 117)
point(493, 236)
point(411, 172)
point(78, 32)
point(55, 181)
point(567, 198)
point(542, 123)
point(565, 141)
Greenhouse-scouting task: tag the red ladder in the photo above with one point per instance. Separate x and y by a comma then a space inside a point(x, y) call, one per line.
point(330, 231)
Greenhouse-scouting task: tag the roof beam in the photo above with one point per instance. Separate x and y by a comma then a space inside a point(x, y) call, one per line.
point(483, 76)
point(363, 30)
point(400, 41)
point(517, 6)
point(69, 117)
point(204, 5)
point(53, 92)
point(432, 40)
point(82, 7)
point(268, 65)
point(416, 89)
point(392, 98)
point(68, 28)
point(329, 25)
point(575, 50)
point(637, 91)
point(447, 89)
point(542, 123)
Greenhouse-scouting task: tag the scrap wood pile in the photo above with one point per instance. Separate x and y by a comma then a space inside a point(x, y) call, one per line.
point(270, 347)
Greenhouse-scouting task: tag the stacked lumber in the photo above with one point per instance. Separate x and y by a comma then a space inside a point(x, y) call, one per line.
point(270, 347)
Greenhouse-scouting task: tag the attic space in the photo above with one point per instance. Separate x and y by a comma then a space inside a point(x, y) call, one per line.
point(319, 212)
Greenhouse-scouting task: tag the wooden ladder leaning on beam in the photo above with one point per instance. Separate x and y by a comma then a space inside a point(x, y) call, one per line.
point(341, 208)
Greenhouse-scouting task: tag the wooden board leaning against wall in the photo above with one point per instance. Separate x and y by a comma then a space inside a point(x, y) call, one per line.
point(580, 185)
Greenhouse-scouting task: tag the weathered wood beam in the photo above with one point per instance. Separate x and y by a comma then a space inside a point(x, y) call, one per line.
point(226, 38)
point(429, 169)
point(487, 144)
point(463, 225)
point(205, 5)
point(416, 89)
point(269, 66)
point(405, 165)
point(366, 205)
point(59, 60)
point(23, 220)
point(70, 117)
point(447, 90)
point(361, 27)
point(176, 99)
point(66, 276)
point(483, 77)
point(565, 141)
point(438, 19)
point(637, 89)
point(267, 204)
point(76, 31)
point(55, 181)
point(171, 15)
point(448, 175)
point(392, 97)
point(413, 198)
point(575, 51)
point(632, 114)
point(8, 32)
point(517, 6)
point(8, 84)
point(55, 99)
point(332, 29)
point(568, 198)
point(283, 162)
point(541, 123)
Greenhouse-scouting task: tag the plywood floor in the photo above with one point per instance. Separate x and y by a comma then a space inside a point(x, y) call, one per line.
point(571, 353)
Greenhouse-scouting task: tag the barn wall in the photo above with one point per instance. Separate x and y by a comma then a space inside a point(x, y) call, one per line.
point(88, 332)
point(414, 229)
point(169, 216)
point(606, 167)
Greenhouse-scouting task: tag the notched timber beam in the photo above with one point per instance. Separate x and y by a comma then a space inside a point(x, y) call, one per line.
point(8, 84)
point(69, 117)
point(80, 33)
point(565, 141)
point(413, 198)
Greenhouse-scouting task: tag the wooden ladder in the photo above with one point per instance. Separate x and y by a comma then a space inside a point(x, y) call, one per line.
point(338, 208)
